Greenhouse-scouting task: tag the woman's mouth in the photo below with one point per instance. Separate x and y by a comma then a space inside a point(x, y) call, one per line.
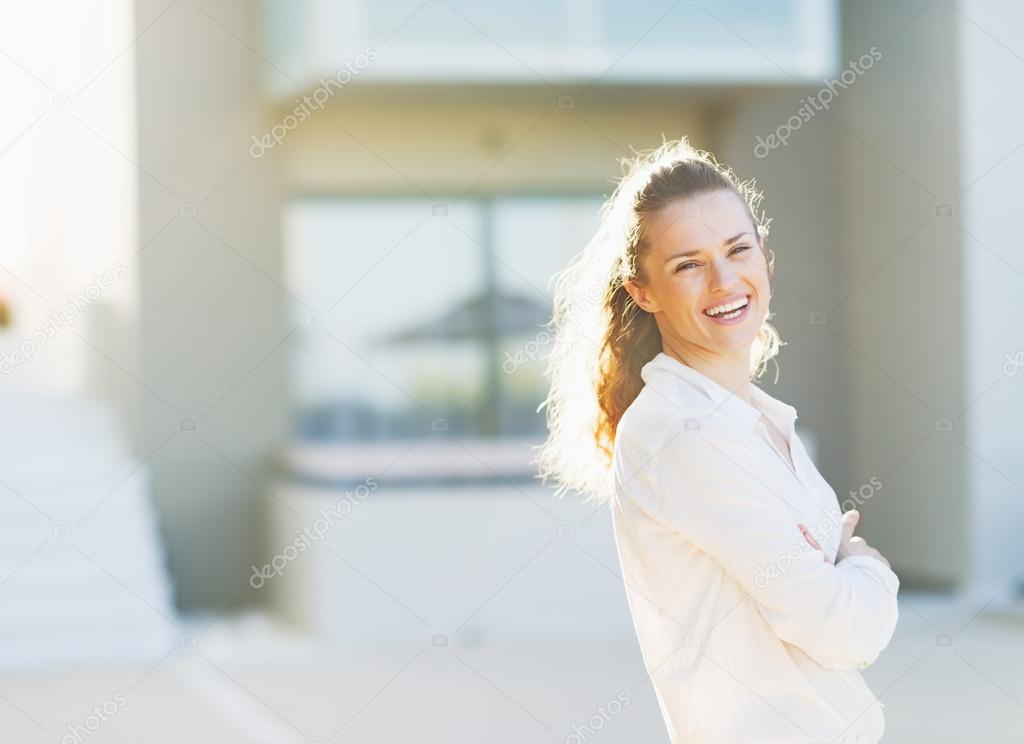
point(729, 313)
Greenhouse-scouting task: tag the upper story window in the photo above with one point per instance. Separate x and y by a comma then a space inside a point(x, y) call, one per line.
point(555, 41)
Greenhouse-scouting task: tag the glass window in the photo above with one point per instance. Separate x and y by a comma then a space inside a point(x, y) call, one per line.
point(655, 41)
point(413, 310)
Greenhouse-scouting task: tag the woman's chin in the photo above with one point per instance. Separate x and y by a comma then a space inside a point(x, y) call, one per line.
point(732, 340)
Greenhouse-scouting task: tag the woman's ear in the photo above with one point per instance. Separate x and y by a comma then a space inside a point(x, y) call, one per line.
point(641, 296)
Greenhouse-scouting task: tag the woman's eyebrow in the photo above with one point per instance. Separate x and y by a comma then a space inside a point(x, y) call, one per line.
point(695, 251)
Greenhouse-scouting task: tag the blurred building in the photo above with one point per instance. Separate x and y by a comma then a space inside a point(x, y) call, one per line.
point(340, 222)
point(273, 285)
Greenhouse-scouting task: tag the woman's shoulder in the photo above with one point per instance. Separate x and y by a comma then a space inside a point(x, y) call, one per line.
point(651, 419)
point(652, 423)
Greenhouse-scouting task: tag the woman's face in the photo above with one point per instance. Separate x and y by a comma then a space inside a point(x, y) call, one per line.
point(703, 255)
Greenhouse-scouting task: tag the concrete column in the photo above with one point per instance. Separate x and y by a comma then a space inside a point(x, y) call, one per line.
point(213, 312)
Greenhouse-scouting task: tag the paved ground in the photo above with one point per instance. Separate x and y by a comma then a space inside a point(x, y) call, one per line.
point(949, 676)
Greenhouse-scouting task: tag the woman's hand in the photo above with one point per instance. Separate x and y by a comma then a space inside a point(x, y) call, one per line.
point(810, 538)
point(848, 545)
point(851, 545)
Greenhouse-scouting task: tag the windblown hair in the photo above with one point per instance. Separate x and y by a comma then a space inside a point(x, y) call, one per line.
point(602, 338)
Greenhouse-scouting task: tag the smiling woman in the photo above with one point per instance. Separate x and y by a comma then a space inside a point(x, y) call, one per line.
point(716, 284)
point(678, 229)
point(752, 626)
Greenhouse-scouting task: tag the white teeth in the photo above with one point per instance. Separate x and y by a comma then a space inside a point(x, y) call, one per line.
point(720, 309)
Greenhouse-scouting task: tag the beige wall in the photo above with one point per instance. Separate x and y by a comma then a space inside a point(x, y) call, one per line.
point(443, 144)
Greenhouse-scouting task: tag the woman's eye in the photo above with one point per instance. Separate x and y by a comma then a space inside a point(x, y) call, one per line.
point(688, 264)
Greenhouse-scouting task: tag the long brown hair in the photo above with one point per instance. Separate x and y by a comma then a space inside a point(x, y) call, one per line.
point(602, 338)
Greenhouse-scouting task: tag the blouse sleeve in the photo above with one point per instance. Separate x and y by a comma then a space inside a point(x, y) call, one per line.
point(712, 490)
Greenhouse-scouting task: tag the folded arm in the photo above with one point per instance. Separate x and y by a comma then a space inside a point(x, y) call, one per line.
point(707, 488)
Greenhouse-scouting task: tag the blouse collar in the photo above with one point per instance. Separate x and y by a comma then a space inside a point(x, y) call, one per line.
point(664, 372)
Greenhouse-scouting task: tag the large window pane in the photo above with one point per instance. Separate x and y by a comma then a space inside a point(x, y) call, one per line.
point(413, 311)
point(382, 274)
point(534, 239)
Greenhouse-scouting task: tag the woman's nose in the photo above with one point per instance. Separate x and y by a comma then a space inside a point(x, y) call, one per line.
point(723, 274)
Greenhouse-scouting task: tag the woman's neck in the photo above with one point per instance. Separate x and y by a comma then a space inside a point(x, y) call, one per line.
point(732, 372)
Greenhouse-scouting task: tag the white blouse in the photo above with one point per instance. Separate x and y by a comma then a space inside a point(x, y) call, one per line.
point(747, 633)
